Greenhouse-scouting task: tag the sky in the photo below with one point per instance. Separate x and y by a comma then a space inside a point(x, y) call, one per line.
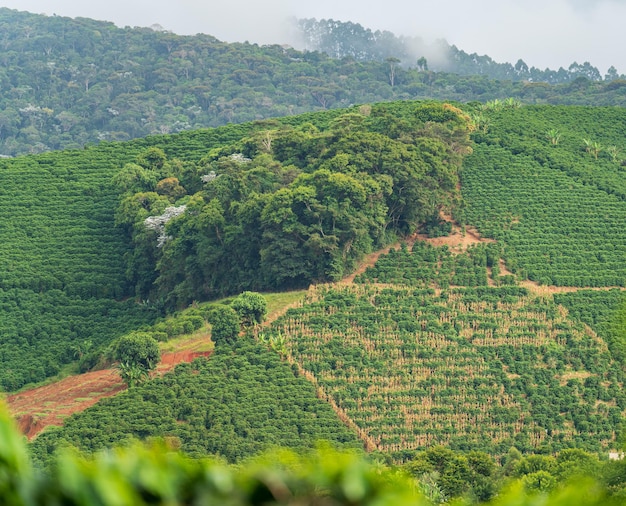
point(544, 33)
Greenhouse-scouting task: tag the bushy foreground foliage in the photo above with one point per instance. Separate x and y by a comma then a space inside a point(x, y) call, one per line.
point(138, 475)
point(159, 475)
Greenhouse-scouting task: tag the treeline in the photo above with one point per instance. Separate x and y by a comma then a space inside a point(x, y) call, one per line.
point(70, 82)
point(287, 207)
point(340, 40)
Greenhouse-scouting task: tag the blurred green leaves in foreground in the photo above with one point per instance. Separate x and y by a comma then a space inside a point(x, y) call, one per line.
point(141, 475)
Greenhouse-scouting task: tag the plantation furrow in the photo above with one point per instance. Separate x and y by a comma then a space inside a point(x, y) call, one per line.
point(486, 367)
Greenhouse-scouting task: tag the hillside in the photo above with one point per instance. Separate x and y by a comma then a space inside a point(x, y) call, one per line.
point(64, 291)
point(472, 368)
point(550, 183)
point(242, 401)
point(74, 82)
point(477, 369)
point(429, 345)
point(531, 375)
point(69, 260)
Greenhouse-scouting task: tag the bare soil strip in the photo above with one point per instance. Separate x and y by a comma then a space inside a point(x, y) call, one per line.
point(543, 290)
point(50, 404)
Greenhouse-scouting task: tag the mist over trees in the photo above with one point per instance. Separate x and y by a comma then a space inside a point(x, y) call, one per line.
point(351, 40)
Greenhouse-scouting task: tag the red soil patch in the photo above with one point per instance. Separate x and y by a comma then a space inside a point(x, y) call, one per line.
point(459, 240)
point(170, 360)
point(40, 407)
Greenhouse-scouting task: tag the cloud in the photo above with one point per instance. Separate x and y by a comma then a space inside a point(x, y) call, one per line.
point(543, 33)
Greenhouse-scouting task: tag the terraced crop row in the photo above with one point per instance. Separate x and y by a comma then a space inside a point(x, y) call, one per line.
point(557, 209)
point(483, 368)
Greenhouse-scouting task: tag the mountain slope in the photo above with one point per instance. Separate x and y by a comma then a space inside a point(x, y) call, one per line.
point(242, 401)
point(550, 184)
point(473, 369)
point(424, 326)
point(63, 287)
point(70, 82)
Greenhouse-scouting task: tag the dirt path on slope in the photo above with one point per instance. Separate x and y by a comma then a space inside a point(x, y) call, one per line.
point(50, 404)
point(369, 261)
point(542, 290)
point(458, 242)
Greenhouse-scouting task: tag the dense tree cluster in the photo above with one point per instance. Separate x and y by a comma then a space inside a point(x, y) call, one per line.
point(289, 206)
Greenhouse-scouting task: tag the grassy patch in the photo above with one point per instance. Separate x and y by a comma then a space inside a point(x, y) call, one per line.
point(276, 302)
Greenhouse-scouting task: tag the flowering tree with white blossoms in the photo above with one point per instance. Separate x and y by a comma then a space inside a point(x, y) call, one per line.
point(158, 222)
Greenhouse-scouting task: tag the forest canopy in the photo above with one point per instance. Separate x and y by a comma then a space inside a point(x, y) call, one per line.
point(71, 82)
point(288, 206)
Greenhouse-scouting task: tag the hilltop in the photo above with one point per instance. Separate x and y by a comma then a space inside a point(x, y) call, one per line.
point(68, 83)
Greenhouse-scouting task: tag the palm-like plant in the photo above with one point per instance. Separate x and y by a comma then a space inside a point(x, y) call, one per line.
point(614, 153)
point(132, 374)
point(277, 342)
point(593, 147)
point(554, 136)
point(513, 103)
point(480, 122)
